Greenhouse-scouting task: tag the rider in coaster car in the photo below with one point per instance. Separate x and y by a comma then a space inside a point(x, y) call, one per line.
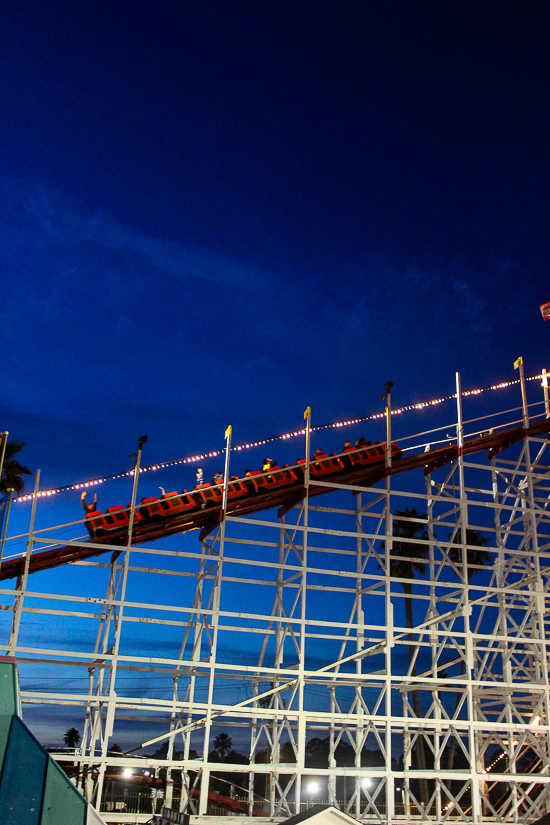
point(92, 506)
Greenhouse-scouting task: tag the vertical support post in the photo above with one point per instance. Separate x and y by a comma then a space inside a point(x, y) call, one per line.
point(228, 433)
point(22, 580)
point(463, 504)
point(541, 668)
point(141, 442)
point(216, 600)
point(466, 606)
point(307, 418)
point(545, 390)
point(111, 701)
point(93, 721)
point(519, 363)
point(538, 606)
point(196, 625)
point(3, 443)
point(279, 653)
point(388, 543)
point(387, 399)
point(459, 442)
point(300, 756)
point(460, 425)
point(499, 500)
point(359, 645)
point(332, 786)
point(389, 605)
point(390, 777)
point(434, 643)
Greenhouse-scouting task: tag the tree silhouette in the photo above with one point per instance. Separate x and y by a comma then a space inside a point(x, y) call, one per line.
point(71, 738)
point(475, 558)
point(223, 744)
point(412, 556)
point(406, 567)
point(288, 753)
point(12, 469)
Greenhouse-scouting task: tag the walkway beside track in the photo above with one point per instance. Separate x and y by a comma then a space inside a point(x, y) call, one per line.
point(285, 499)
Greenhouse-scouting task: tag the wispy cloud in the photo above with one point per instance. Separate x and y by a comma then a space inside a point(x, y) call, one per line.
point(61, 225)
point(399, 298)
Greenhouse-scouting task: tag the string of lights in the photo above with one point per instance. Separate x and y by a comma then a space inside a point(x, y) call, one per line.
point(82, 485)
point(486, 770)
point(492, 765)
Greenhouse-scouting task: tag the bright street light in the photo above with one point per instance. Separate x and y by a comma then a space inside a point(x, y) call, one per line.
point(313, 787)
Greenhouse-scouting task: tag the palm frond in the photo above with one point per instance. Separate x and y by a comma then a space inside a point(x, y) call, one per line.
point(12, 469)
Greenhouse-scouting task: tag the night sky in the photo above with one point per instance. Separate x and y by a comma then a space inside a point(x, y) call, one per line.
point(219, 213)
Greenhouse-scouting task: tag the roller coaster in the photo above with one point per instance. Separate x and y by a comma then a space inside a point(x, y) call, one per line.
point(286, 619)
point(281, 487)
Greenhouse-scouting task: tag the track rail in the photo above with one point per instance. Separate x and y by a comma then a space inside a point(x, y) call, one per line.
point(207, 520)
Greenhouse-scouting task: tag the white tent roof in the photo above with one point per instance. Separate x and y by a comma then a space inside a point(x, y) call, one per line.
point(321, 815)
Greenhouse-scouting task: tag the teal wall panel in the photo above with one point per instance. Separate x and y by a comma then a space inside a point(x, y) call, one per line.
point(9, 691)
point(23, 778)
point(34, 790)
point(5, 725)
point(63, 805)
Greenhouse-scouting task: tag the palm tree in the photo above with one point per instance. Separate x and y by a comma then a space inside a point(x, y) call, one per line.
point(474, 556)
point(411, 562)
point(475, 559)
point(12, 469)
point(411, 555)
point(71, 738)
point(223, 744)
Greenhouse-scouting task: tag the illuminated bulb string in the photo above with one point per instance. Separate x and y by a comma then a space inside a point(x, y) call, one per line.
point(486, 770)
point(82, 485)
point(492, 765)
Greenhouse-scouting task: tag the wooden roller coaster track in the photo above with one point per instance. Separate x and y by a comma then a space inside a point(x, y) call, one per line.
point(207, 520)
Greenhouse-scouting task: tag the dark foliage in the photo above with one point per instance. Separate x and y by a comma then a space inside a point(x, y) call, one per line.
point(475, 557)
point(412, 554)
point(12, 469)
point(411, 561)
point(71, 738)
point(223, 744)
point(317, 755)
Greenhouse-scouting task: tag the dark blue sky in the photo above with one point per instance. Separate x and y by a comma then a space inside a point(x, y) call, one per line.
point(220, 213)
point(223, 212)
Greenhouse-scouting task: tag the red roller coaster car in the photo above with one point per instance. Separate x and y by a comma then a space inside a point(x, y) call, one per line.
point(255, 483)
